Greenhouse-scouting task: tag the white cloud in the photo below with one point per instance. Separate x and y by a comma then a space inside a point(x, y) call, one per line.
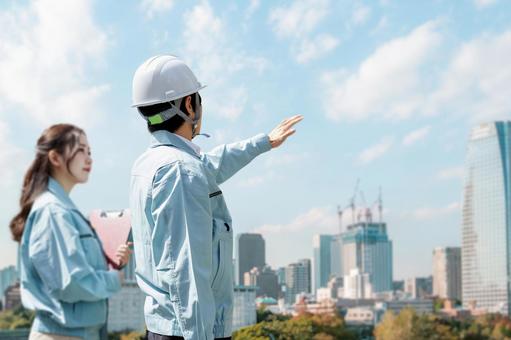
point(216, 61)
point(405, 77)
point(427, 213)
point(252, 182)
point(484, 3)
point(45, 65)
point(387, 84)
point(252, 8)
point(299, 18)
point(416, 136)
point(313, 49)
point(361, 14)
point(382, 25)
point(376, 151)
point(321, 219)
point(477, 80)
point(277, 159)
point(297, 22)
point(154, 7)
point(451, 173)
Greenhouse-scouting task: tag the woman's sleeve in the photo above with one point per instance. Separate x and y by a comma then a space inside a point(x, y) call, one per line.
point(60, 260)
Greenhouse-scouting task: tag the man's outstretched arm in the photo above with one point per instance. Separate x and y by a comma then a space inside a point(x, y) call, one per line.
point(225, 160)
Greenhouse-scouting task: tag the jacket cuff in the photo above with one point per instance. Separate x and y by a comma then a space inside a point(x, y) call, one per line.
point(262, 142)
point(113, 280)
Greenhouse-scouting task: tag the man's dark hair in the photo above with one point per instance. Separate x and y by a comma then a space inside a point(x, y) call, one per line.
point(173, 123)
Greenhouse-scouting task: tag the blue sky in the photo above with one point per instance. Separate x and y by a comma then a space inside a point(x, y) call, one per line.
point(389, 91)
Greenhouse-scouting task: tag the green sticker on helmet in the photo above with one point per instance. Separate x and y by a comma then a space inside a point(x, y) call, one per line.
point(156, 119)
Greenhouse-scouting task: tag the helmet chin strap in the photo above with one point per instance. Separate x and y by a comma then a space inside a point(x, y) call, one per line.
point(175, 110)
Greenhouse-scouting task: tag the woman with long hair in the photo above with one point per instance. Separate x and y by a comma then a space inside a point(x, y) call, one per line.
point(64, 273)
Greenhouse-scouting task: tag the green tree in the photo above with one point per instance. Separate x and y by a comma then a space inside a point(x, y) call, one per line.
point(16, 318)
point(302, 327)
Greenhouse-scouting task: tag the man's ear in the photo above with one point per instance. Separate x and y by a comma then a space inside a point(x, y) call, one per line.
point(55, 159)
point(189, 107)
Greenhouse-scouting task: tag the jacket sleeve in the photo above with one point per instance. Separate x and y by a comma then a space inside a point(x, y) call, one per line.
point(225, 160)
point(61, 261)
point(182, 246)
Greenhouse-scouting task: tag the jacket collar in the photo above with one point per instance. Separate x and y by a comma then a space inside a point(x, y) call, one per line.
point(58, 191)
point(161, 137)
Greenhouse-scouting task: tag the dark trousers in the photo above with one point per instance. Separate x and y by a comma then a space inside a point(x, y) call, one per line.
point(154, 336)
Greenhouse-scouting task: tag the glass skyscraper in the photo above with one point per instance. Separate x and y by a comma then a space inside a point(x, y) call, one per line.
point(486, 224)
point(321, 262)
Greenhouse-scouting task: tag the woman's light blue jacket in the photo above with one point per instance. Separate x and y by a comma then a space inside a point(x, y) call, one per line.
point(63, 274)
point(182, 234)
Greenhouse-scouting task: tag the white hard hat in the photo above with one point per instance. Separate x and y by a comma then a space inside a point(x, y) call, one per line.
point(162, 79)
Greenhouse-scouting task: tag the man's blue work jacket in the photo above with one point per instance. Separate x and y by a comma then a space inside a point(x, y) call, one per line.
point(182, 234)
point(63, 273)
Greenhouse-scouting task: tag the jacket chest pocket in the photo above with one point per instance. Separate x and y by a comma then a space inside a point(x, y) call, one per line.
point(92, 250)
point(222, 254)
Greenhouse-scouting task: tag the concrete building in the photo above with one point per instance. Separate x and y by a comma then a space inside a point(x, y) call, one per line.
point(12, 297)
point(244, 309)
point(265, 280)
point(360, 316)
point(8, 276)
point(357, 285)
point(447, 272)
point(321, 260)
point(366, 247)
point(126, 309)
point(486, 221)
point(297, 279)
point(419, 287)
point(331, 291)
point(421, 306)
point(250, 253)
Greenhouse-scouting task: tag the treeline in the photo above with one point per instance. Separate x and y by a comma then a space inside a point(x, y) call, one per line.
point(407, 325)
point(410, 325)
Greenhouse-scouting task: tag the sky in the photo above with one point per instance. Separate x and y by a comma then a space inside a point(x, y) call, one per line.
point(389, 91)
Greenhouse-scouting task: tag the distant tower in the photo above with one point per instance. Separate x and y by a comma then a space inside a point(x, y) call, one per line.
point(250, 253)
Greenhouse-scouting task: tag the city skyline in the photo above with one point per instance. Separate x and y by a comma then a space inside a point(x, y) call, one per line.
point(378, 83)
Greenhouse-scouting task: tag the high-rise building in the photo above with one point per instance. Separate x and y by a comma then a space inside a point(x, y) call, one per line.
point(486, 222)
point(419, 287)
point(265, 280)
point(321, 260)
point(336, 256)
point(447, 272)
point(250, 253)
point(298, 279)
point(366, 247)
point(8, 276)
point(244, 307)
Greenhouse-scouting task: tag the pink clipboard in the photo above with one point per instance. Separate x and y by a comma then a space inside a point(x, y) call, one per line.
point(113, 228)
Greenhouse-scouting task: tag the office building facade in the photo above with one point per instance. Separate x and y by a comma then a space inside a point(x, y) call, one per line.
point(486, 220)
point(250, 253)
point(447, 272)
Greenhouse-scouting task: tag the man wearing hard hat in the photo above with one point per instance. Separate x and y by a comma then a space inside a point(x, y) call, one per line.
point(182, 229)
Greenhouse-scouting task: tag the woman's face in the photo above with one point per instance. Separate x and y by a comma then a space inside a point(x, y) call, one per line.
point(80, 165)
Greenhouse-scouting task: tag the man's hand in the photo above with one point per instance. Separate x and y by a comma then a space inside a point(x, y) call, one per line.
point(283, 130)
